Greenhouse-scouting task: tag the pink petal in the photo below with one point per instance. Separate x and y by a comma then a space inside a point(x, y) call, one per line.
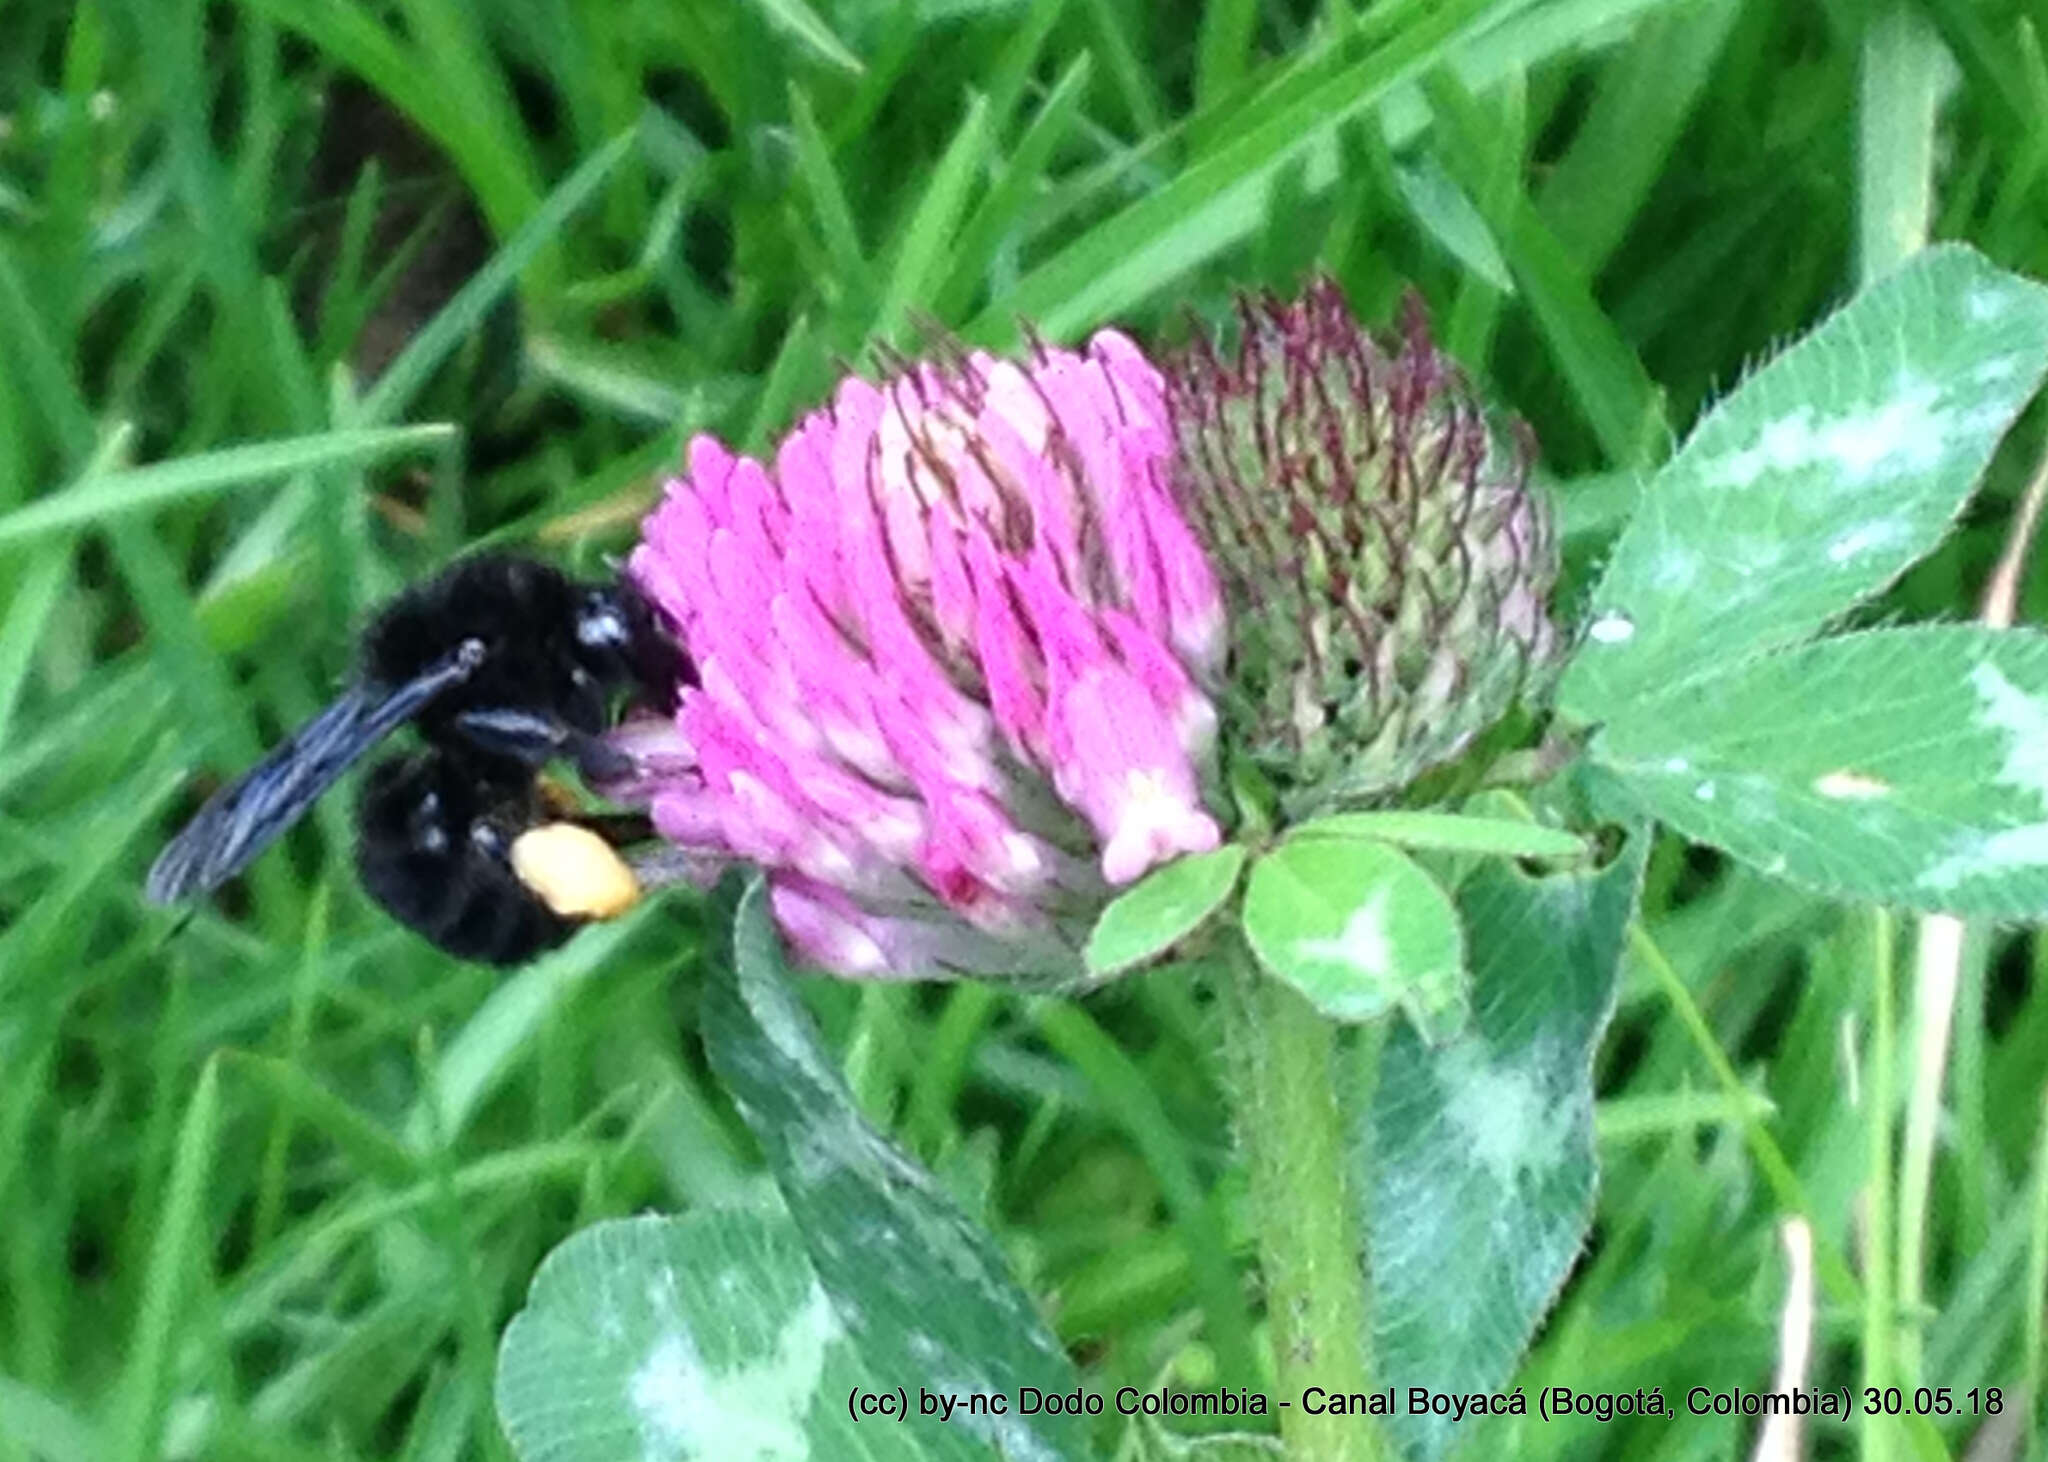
point(1122, 766)
point(1010, 663)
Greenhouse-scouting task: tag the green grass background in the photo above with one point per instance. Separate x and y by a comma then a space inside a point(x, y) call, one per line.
point(299, 297)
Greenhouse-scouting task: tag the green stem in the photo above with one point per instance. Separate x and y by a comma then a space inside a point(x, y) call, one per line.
point(1895, 136)
point(1937, 972)
point(1304, 1202)
point(1899, 99)
point(2033, 1334)
point(1833, 1270)
point(1879, 1313)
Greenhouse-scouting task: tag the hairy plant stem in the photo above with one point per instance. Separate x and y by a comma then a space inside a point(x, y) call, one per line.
point(1304, 1201)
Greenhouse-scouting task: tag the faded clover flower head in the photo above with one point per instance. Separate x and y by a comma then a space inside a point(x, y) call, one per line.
point(1386, 563)
point(950, 649)
point(961, 646)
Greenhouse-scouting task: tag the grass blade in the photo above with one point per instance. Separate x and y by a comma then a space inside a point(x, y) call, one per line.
point(136, 489)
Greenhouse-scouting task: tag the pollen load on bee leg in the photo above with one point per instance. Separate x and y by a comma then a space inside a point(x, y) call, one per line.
point(575, 872)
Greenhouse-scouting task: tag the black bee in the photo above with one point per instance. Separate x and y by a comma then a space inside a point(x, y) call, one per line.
point(503, 665)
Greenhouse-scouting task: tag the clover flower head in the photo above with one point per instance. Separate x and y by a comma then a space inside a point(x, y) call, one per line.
point(963, 646)
point(1386, 564)
point(952, 649)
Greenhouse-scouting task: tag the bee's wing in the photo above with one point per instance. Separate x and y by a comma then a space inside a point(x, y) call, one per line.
point(243, 819)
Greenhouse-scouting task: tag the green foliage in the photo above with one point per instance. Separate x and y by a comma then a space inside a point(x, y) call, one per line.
point(1896, 765)
point(923, 1294)
point(111, 493)
point(1818, 481)
point(705, 1336)
point(1446, 832)
point(1359, 929)
point(1919, 783)
point(1161, 909)
point(1479, 1159)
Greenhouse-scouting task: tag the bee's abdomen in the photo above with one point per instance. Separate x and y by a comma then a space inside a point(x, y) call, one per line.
point(419, 854)
point(490, 920)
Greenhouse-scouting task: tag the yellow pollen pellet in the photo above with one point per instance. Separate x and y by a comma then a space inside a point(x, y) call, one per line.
point(574, 871)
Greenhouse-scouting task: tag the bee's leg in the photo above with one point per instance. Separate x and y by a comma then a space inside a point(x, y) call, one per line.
point(620, 829)
point(536, 738)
